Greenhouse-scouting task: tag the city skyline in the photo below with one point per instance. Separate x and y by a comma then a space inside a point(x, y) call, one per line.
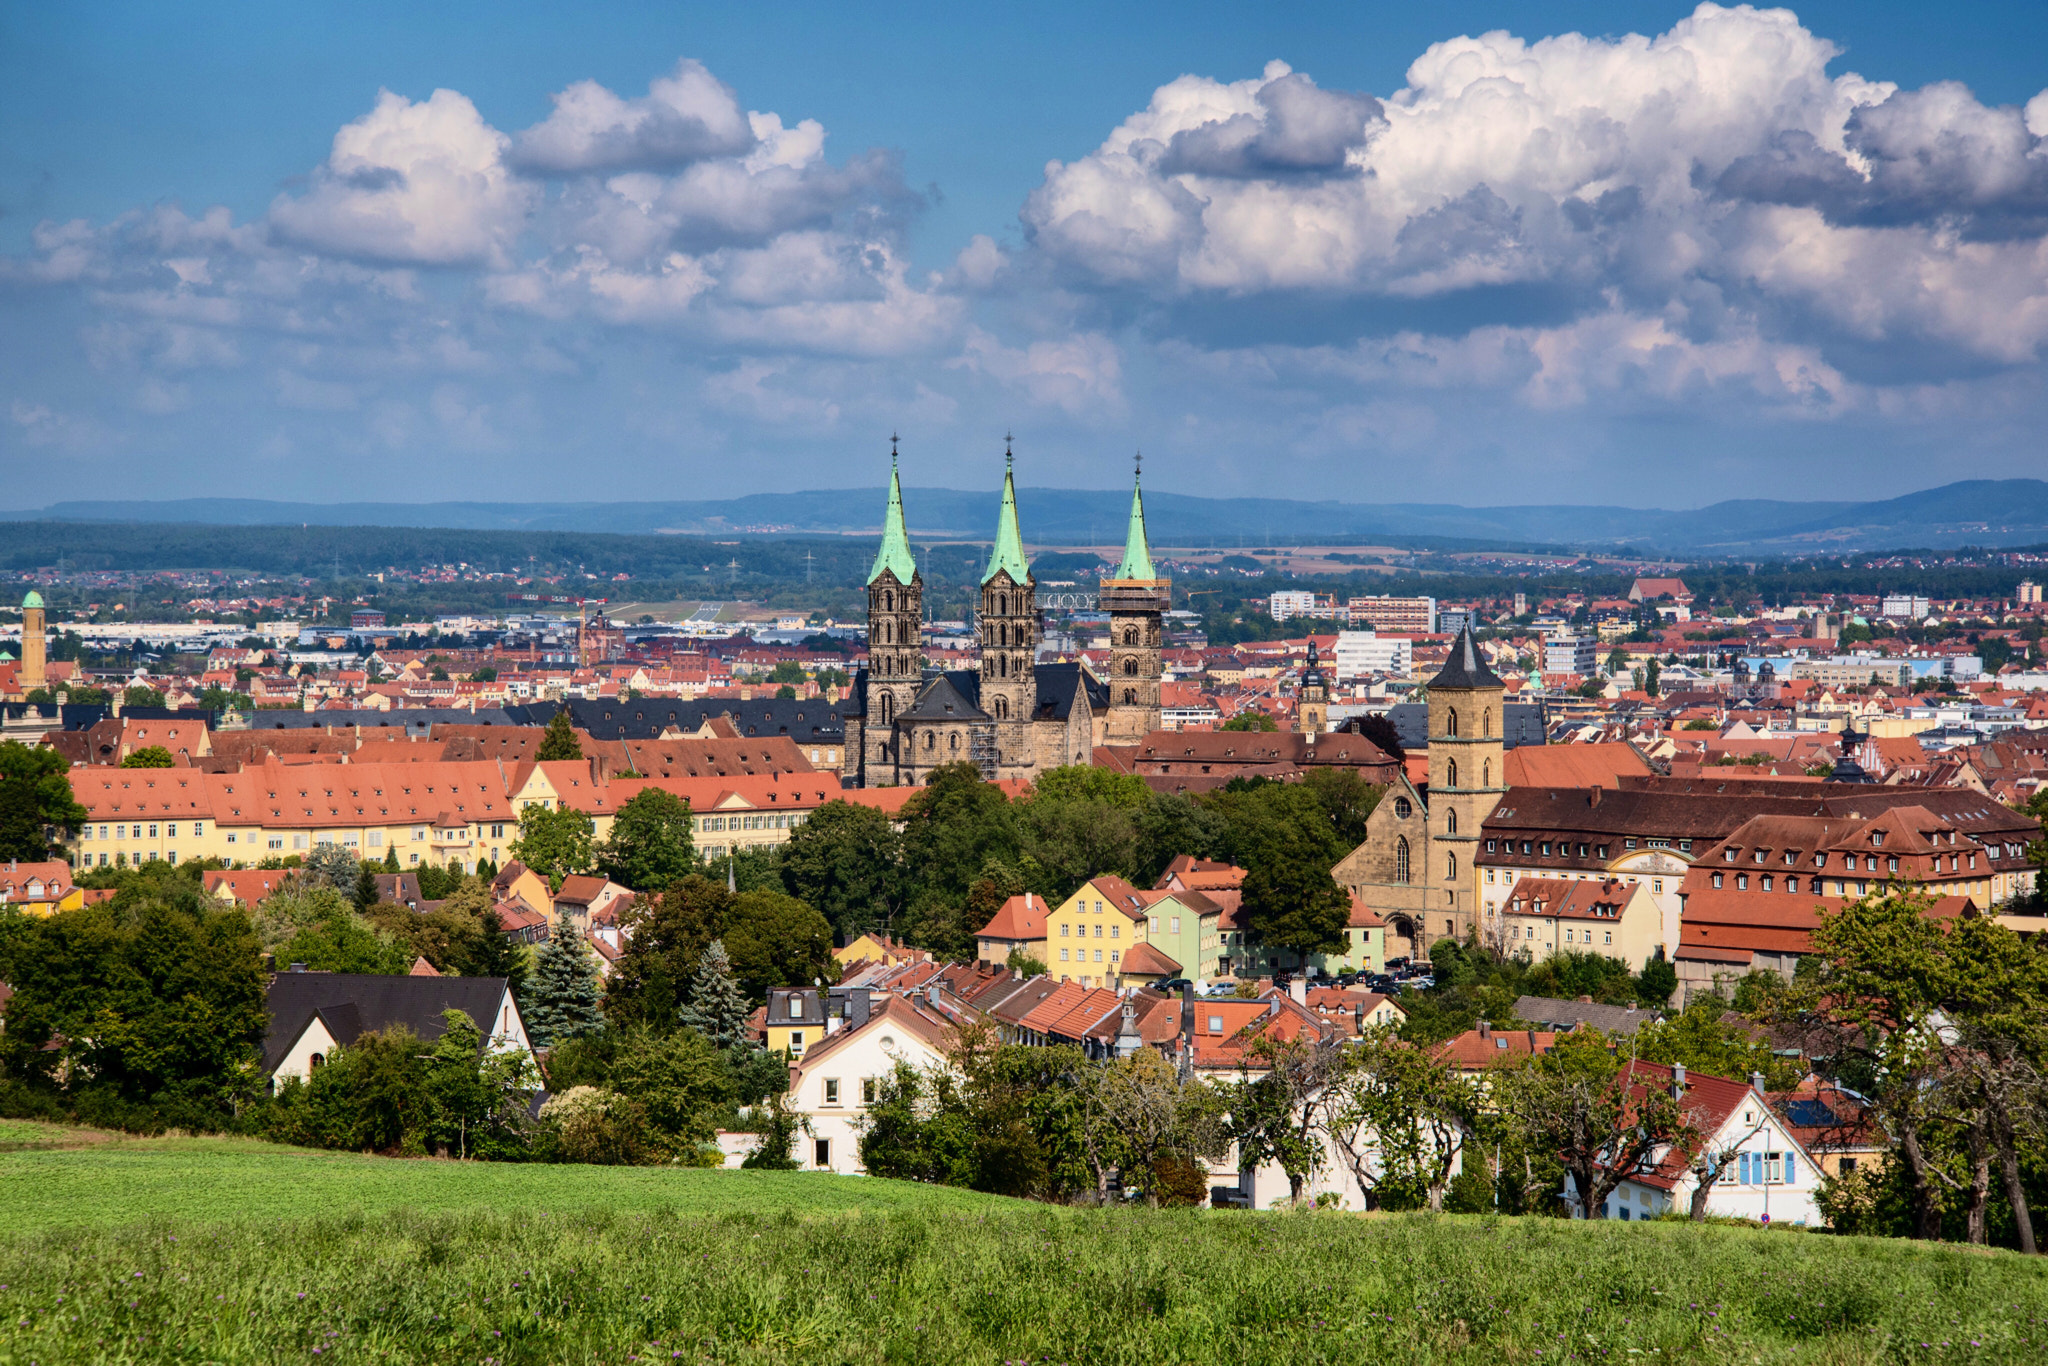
point(1723, 253)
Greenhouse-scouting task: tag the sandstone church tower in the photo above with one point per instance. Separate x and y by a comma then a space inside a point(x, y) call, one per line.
point(1009, 638)
point(895, 635)
point(1136, 598)
point(34, 673)
point(1467, 775)
point(1312, 705)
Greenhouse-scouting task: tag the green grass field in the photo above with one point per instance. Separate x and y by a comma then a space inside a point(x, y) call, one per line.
point(195, 1179)
point(367, 1260)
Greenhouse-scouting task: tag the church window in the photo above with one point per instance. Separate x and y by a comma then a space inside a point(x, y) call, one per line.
point(888, 709)
point(1002, 604)
point(1002, 709)
point(1451, 772)
point(1451, 723)
point(1131, 635)
point(1486, 724)
point(1450, 822)
point(931, 739)
point(1486, 773)
point(888, 601)
point(1403, 808)
point(953, 742)
point(1130, 668)
point(1450, 865)
point(1130, 697)
point(1401, 860)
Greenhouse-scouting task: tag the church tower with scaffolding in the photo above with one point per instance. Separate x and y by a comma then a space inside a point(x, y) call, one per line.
point(1136, 597)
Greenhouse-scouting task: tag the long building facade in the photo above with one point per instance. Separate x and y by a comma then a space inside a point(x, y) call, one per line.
point(1010, 716)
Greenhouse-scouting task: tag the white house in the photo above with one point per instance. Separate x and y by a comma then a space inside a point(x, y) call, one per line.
point(1762, 1171)
point(835, 1081)
point(313, 1013)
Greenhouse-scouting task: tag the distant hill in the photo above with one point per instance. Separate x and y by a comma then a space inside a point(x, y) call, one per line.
point(1988, 512)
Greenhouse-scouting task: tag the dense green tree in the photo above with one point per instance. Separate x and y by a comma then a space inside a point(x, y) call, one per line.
point(682, 1084)
point(344, 941)
point(44, 773)
point(555, 842)
point(559, 741)
point(717, 1008)
point(1347, 800)
point(149, 756)
point(155, 997)
point(666, 935)
point(560, 1000)
point(845, 861)
point(1575, 1100)
point(1067, 840)
point(1251, 721)
point(330, 865)
point(1282, 834)
point(1713, 1041)
point(139, 695)
point(1656, 982)
point(1175, 825)
point(953, 829)
point(774, 940)
point(650, 847)
point(1087, 782)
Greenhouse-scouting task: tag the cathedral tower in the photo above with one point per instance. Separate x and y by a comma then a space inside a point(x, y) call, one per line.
point(1136, 598)
point(1312, 704)
point(895, 637)
point(1009, 638)
point(33, 672)
point(1467, 775)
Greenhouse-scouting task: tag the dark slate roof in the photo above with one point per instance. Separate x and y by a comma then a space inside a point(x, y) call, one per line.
point(805, 720)
point(1548, 1012)
point(1466, 667)
point(1521, 724)
point(357, 1003)
point(414, 720)
point(942, 700)
point(1058, 684)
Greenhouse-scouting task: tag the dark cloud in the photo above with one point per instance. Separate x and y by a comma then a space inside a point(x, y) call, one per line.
point(1301, 129)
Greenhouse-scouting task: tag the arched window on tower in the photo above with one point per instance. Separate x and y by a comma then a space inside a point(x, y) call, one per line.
point(1130, 668)
point(1486, 773)
point(1131, 635)
point(1450, 865)
point(1401, 873)
point(1451, 772)
point(1451, 722)
point(888, 709)
point(930, 739)
point(1002, 604)
point(1450, 822)
point(1002, 709)
point(1130, 697)
point(953, 742)
point(1486, 724)
point(888, 601)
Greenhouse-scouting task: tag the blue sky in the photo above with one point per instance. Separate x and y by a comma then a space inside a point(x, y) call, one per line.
point(1352, 251)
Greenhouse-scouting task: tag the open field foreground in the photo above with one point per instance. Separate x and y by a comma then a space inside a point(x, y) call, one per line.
point(788, 1282)
point(194, 1179)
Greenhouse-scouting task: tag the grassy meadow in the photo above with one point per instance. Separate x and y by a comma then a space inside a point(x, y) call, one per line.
point(231, 1254)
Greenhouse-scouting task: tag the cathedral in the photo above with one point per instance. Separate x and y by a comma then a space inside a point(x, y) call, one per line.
point(1010, 716)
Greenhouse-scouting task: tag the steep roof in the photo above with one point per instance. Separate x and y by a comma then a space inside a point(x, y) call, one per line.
point(1007, 555)
point(354, 1004)
point(1137, 560)
point(1021, 918)
point(1580, 766)
point(1147, 961)
point(894, 554)
point(1466, 668)
point(942, 700)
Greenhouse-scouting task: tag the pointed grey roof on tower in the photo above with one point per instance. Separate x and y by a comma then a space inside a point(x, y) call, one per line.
point(1466, 668)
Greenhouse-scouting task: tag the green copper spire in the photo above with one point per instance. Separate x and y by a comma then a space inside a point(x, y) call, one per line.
point(1009, 548)
point(1137, 562)
point(895, 553)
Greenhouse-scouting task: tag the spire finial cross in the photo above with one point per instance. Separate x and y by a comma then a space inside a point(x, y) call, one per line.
point(1138, 466)
point(892, 450)
point(1007, 439)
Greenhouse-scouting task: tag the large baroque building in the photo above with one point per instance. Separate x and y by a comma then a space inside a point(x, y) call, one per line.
point(1011, 716)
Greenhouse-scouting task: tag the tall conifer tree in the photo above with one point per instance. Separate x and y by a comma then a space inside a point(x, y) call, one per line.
point(560, 999)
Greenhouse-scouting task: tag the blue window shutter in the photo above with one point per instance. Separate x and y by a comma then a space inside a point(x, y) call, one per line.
point(1791, 1169)
point(1742, 1168)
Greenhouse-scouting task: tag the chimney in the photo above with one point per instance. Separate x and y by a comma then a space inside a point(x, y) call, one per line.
point(1678, 1081)
point(1358, 1017)
point(1298, 989)
point(1593, 796)
point(1486, 1029)
point(1756, 1082)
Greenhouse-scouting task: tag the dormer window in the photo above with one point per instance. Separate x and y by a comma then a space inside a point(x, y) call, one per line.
point(1790, 858)
point(1877, 839)
point(1728, 853)
point(1820, 860)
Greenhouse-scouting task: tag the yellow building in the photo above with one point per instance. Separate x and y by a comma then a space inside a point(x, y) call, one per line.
point(39, 889)
point(1615, 919)
point(1087, 937)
